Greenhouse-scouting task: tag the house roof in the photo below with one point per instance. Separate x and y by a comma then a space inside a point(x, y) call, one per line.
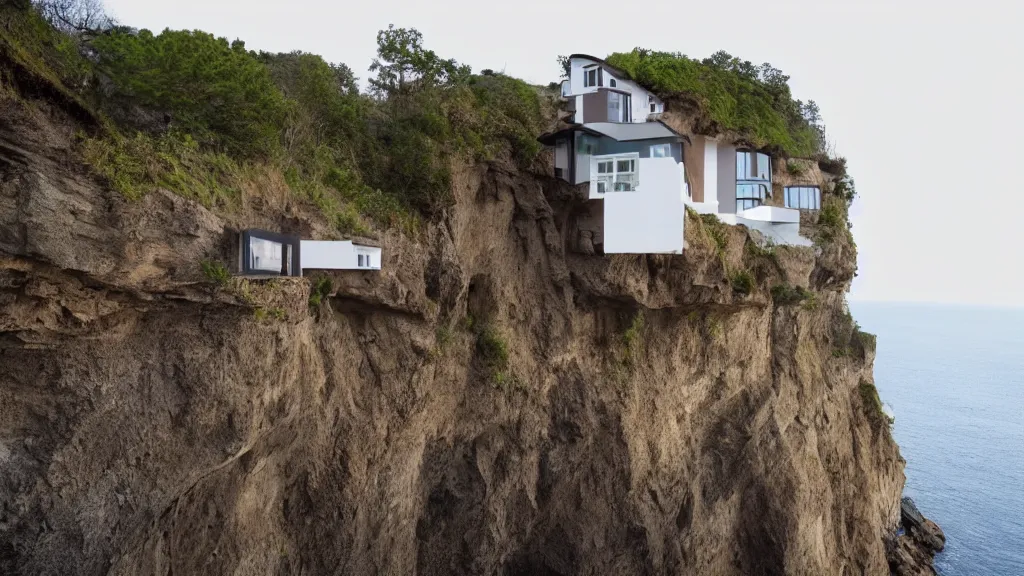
point(623, 132)
point(626, 132)
point(600, 61)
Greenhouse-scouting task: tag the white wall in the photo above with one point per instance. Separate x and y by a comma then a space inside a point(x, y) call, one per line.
point(771, 214)
point(337, 255)
point(711, 172)
point(650, 219)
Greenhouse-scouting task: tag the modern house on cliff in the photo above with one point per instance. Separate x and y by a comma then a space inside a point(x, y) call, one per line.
point(635, 171)
point(645, 173)
point(263, 253)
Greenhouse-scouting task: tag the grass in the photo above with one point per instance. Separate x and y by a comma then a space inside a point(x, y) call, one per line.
point(794, 168)
point(742, 282)
point(872, 403)
point(735, 95)
point(216, 272)
point(493, 350)
point(262, 314)
point(322, 289)
point(632, 338)
point(716, 231)
point(786, 295)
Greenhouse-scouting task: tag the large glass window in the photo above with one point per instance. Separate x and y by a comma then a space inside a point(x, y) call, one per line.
point(618, 107)
point(753, 179)
point(803, 197)
point(617, 174)
point(661, 151)
point(266, 255)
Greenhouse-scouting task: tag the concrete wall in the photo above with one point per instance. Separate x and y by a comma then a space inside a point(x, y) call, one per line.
point(711, 173)
point(650, 219)
point(774, 214)
point(726, 179)
point(338, 255)
point(693, 155)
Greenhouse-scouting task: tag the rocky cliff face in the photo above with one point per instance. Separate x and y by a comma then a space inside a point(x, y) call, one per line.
point(649, 419)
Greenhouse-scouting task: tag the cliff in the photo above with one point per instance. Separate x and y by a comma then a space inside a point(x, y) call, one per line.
point(491, 402)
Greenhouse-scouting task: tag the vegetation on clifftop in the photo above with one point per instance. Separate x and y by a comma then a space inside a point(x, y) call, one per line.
point(735, 94)
point(204, 117)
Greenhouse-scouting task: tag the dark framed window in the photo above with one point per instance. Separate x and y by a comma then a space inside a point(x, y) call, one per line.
point(590, 78)
point(611, 82)
point(803, 197)
point(264, 253)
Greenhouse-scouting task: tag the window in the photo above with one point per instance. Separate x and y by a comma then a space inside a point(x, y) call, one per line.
point(653, 103)
point(611, 82)
point(803, 197)
point(618, 107)
point(617, 174)
point(661, 151)
point(590, 78)
point(749, 196)
point(265, 253)
point(753, 179)
point(362, 261)
point(586, 144)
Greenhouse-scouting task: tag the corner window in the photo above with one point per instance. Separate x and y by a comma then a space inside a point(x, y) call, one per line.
point(661, 151)
point(586, 144)
point(590, 78)
point(753, 179)
point(803, 197)
point(265, 253)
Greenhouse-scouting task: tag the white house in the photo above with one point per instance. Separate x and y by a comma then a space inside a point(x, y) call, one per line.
point(635, 176)
point(339, 255)
point(599, 92)
point(736, 184)
point(263, 253)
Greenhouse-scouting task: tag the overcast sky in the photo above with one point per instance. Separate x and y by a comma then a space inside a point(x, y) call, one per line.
point(923, 97)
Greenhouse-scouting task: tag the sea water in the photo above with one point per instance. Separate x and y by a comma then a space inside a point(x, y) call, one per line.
point(954, 377)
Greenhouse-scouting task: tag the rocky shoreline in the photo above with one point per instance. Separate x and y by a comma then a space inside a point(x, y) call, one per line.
point(913, 548)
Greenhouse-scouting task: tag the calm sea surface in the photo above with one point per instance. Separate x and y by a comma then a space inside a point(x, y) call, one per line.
point(954, 376)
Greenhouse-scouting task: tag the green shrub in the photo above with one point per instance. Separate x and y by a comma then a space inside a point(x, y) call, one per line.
point(742, 282)
point(215, 272)
point(832, 224)
point(785, 295)
point(734, 94)
point(872, 404)
point(633, 338)
point(492, 349)
point(322, 288)
point(716, 229)
point(216, 91)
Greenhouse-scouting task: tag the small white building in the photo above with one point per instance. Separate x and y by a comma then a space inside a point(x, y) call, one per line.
point(264, 253)
point(339, 255)
point(636, 179)
point(599, 92)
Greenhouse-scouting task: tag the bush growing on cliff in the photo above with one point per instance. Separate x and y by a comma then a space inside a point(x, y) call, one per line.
point(492, 349)
point(742, 282)
point(215, 272)
point(734, 94)
point(215, 90)
point(786, 295)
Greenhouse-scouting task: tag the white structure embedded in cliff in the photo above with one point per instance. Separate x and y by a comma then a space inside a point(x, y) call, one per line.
point(635, 173)
point(599, 92)
point(263, 253)
point(616, 143)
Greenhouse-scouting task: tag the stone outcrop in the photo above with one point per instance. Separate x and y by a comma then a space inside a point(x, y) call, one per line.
point(650, 419)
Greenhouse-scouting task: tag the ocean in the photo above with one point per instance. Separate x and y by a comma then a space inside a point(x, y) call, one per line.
point(954, 376)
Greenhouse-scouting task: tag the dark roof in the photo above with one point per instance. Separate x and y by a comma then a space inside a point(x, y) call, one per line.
point(620, 131)
point(603, 63)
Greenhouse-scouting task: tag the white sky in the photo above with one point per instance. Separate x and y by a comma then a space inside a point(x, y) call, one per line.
point(923, 97)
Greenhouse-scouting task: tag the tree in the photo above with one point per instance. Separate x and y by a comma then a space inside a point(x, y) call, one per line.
point(76, 16)
point(402, 64)
point(215, 90)
point(565, 64)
